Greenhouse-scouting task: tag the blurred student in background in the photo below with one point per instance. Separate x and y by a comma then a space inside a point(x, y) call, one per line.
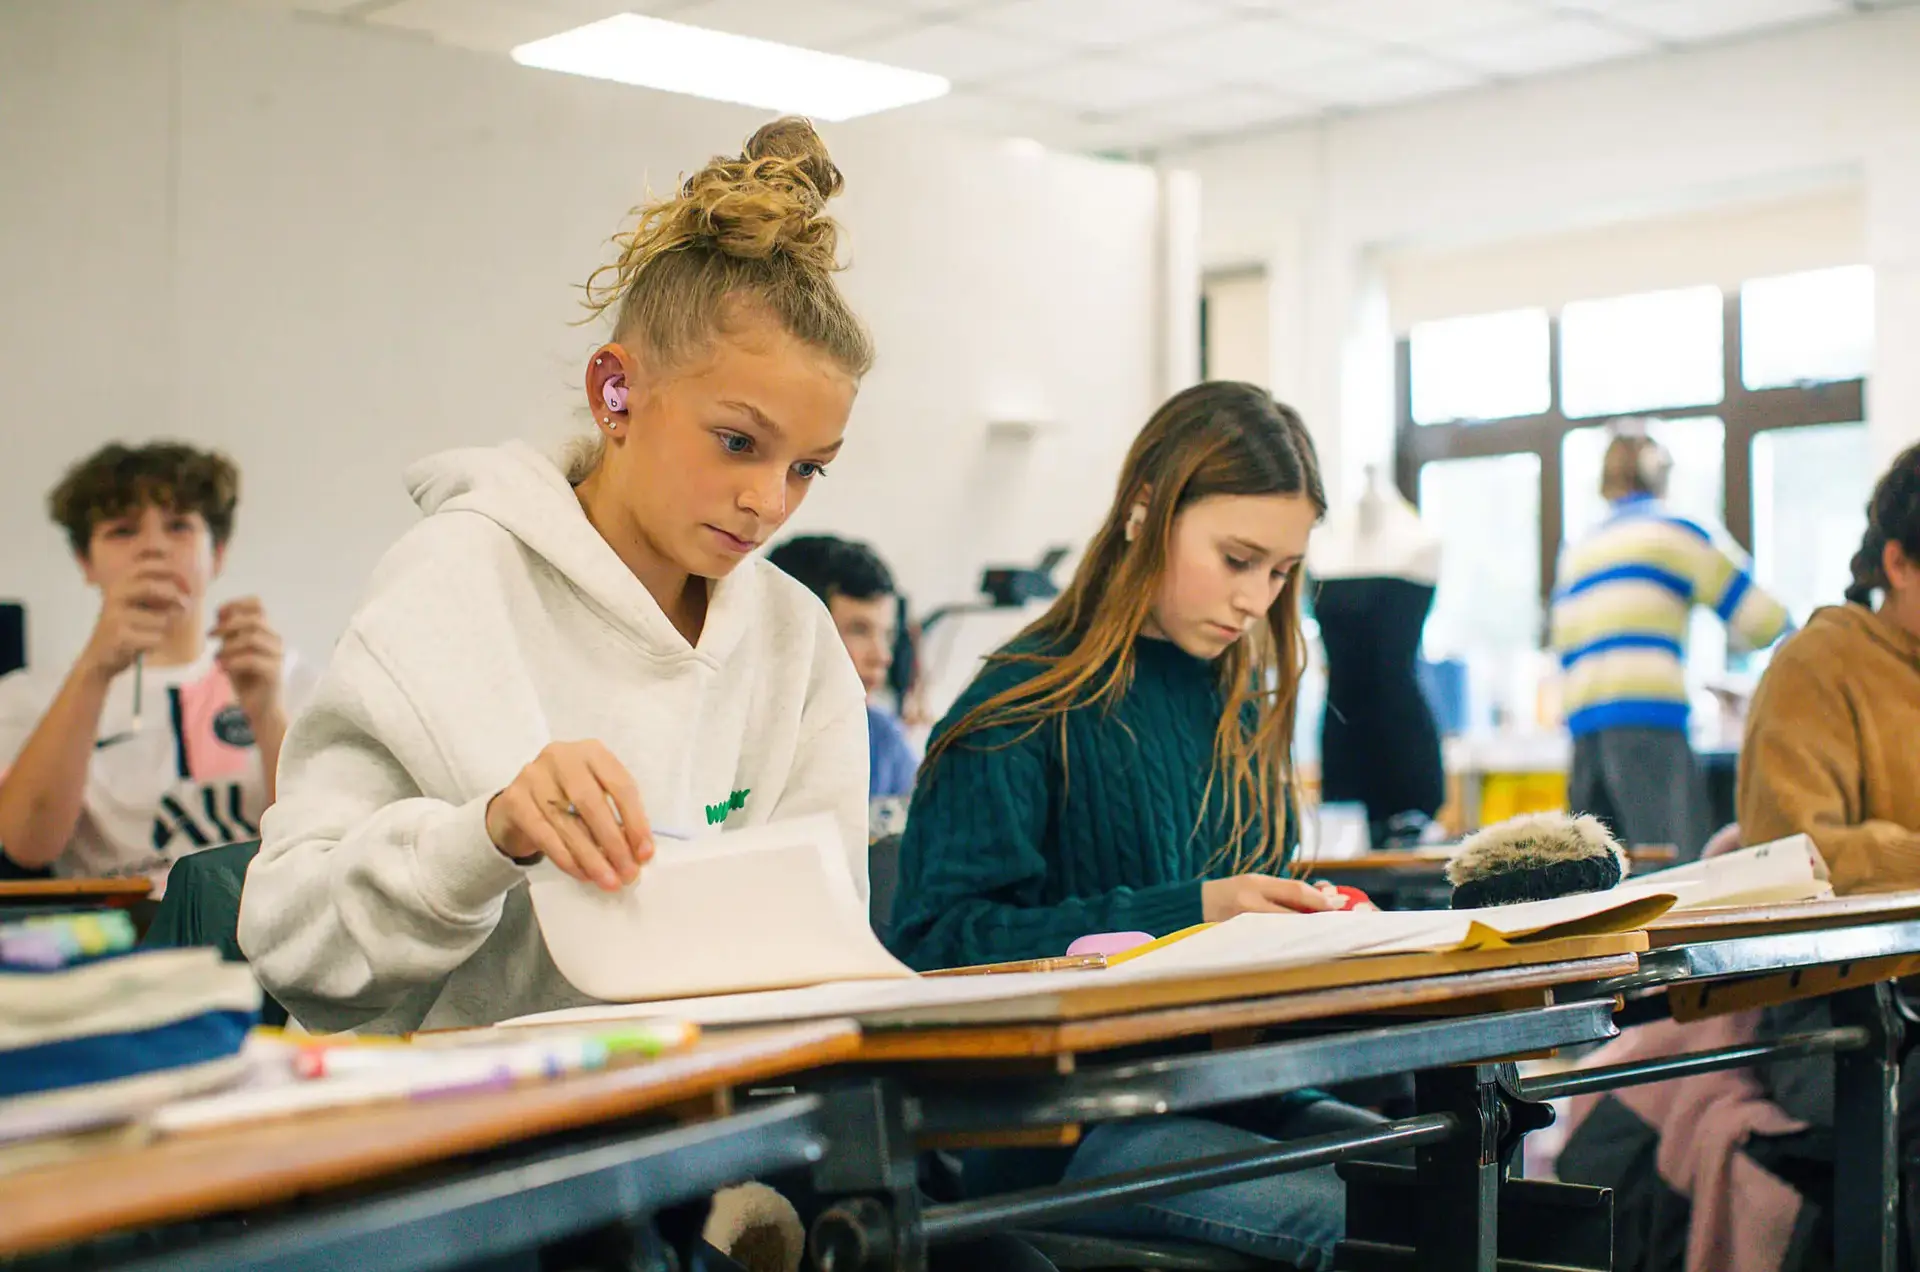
point(858, 591)
point(1619, 624)
point(162, 736)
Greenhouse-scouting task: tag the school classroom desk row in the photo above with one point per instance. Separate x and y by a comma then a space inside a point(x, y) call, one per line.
point(460, 1180)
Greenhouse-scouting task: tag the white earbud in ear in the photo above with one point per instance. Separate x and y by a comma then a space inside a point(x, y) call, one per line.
point(1136, 519)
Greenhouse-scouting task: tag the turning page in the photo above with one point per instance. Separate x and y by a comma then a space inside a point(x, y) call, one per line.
point(1789, 869)
point(770, 907)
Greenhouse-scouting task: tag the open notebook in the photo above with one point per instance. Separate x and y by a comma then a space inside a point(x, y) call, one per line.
point(769, 907)
point(1253, 940)
point(1789, 869)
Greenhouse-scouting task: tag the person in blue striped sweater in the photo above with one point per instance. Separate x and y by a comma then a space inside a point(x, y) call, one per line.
point(1619, 624)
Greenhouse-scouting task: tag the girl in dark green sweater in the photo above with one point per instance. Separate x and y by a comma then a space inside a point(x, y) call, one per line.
point(1124, 765)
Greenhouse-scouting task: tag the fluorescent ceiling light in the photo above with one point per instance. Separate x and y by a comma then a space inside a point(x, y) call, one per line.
point(677, 58)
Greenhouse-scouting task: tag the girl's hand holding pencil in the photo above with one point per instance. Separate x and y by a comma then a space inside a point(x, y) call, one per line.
point(577, 806)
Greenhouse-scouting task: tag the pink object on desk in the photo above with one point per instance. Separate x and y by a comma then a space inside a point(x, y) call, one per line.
point(1108, 943)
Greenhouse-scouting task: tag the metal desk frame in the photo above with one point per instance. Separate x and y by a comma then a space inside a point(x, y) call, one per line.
point(1463, 1133)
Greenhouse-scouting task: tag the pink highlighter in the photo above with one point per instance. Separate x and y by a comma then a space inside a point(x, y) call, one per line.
point(1107, 943)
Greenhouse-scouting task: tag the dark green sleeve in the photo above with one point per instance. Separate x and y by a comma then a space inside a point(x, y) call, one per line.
point(977, 854)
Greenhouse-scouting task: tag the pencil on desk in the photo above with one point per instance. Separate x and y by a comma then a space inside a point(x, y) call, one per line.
point(1064, 963)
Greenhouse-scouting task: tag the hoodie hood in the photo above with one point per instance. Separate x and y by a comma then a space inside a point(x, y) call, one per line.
point(527, 493)
point(1841, 625)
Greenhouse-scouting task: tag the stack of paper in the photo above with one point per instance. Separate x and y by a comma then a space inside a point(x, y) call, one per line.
point(99, 1041)
point(1248, 944)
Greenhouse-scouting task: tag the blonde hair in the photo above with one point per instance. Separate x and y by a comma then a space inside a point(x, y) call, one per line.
point(1218, 438)
point(750, 230)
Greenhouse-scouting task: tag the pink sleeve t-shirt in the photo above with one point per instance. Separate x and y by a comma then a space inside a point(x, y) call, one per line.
point(187, 776)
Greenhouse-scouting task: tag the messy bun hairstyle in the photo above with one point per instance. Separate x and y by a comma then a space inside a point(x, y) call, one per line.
point(1893, 516)
point(750, 230)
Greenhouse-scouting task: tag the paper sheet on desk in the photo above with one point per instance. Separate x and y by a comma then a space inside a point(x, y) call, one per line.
point(765, 908)
point(862, 999)
point(1275, 940)
point(1789, 869)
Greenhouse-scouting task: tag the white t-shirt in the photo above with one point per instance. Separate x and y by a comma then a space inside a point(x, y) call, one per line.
point(188, 778)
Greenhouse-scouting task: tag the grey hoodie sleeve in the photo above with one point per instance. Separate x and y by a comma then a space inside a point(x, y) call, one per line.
point(366, 889)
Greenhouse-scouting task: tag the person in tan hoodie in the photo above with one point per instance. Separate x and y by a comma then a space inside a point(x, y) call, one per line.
point(1833, 737)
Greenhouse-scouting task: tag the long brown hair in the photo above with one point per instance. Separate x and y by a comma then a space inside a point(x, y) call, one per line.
point(1220, 438)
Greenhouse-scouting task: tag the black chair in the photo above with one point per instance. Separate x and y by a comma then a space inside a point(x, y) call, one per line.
point(883, 881)
point(202, 907)
point(13, 636)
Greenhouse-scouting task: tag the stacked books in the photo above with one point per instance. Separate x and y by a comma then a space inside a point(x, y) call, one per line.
point(94, 1033)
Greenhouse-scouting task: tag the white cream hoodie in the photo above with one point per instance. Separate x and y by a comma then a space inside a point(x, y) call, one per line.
point(500, 623)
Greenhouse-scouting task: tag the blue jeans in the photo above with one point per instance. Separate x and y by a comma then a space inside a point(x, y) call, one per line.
point(1296, 1218)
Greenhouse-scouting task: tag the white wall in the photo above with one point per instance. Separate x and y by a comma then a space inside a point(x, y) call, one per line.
point(1827, 107)
point(330, 251)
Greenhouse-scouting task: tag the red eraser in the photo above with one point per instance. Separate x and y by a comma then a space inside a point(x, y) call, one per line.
point(1350, 898)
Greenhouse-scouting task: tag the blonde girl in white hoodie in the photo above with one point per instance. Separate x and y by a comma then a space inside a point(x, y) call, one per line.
point(558, 633)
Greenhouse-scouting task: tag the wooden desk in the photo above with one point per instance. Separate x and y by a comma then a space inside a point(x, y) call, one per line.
point(1694, 926)
point(78, 893)
point(1145, 1012)
point(189, 1176)
point(1434, 862)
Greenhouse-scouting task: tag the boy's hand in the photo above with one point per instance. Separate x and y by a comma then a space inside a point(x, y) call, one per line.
point(135, 613)
point(251, 654)
point(558, 808)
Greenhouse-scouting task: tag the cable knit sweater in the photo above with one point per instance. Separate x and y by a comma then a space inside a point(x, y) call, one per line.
point(1021, 840)
point(1833, 749)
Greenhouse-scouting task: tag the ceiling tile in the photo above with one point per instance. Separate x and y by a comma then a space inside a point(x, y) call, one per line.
point(1376, 79)
point(1410, 22)
point(332, 7)
point(1098, 24)
point(932, 8)
point(1221, 110)
point(962, 53)
point(491, 25)
point(1258, 51)
point(818, 24)
point(1686, 21)
point(977, 112)
point(1099, 84)
point(1542, 45)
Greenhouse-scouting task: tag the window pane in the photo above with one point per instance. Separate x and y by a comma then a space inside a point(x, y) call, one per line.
point(1807, 328)
point(1696, 490)
point(1810, 491)
point(1487, 367)
point(1487, 514)
point(1639, 353)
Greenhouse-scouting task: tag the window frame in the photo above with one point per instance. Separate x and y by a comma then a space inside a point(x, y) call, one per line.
point(1746, 413)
